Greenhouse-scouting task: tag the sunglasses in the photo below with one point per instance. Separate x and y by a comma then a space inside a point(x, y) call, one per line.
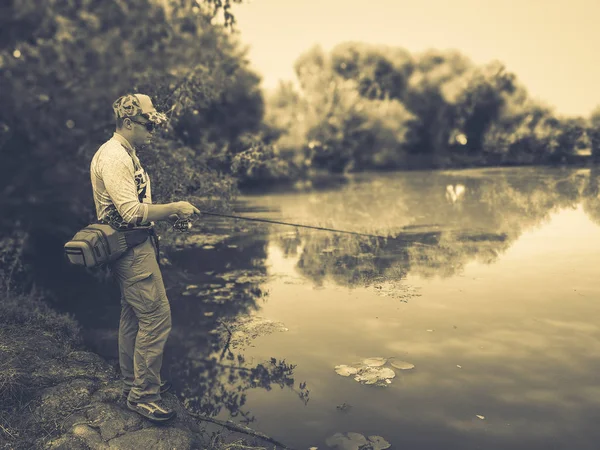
point(150, 126)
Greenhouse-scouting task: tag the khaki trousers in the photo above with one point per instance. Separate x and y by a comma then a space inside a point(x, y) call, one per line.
point(145, 321)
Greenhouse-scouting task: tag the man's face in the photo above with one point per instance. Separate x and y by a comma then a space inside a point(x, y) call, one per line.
point(140, 134)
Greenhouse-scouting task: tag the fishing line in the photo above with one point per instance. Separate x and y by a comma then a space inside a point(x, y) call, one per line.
point(186, 224)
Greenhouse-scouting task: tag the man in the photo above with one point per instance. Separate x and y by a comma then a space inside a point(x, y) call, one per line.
point(122, 196)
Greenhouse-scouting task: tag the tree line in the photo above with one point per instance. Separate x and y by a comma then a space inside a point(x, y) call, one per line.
point(368, 107)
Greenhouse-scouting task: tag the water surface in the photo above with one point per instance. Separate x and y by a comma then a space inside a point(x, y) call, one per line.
point(487, 283)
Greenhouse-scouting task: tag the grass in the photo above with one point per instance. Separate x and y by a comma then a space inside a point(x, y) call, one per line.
point(30, 333)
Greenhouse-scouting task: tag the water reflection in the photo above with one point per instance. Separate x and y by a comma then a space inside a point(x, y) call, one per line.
point(434, 232)
point(211, 288)
point(487, 212)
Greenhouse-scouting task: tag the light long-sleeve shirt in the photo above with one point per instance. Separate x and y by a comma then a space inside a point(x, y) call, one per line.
point(121, 186)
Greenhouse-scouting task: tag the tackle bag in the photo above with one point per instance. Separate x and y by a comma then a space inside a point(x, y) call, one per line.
point(100, 243)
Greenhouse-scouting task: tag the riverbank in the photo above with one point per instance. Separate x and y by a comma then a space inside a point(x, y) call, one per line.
point(54, 394)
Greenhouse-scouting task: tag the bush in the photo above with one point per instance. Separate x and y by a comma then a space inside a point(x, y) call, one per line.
point(30, 312)
point(261, 164)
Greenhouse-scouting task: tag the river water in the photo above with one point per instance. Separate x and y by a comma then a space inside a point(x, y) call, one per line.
point(485, 280)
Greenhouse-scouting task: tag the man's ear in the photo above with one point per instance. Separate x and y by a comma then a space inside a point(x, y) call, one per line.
point(127, 123)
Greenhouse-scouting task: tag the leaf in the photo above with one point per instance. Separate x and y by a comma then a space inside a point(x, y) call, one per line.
point(346, 441)
point(374, 362)
point(375, 375)
point(378, 443)
point(345, 371)
point(402, 365)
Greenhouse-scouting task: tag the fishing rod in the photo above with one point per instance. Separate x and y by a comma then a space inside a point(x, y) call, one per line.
point(186, 224)
point(276, 222)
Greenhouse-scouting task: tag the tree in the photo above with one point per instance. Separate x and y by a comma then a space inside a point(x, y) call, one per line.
point(64, 62)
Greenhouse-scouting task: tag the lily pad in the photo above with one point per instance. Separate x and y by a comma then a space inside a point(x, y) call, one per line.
point(244, 329)
point(402, 365)
point(243, 276)
point(374, 362)
point(395, 289)
point(199, 240)
point(378, 443)
point(346, 441)
point(345, 371)
point(356, 441)
point(377, 376)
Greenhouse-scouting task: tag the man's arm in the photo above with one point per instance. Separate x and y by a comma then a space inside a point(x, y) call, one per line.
point(162, 212)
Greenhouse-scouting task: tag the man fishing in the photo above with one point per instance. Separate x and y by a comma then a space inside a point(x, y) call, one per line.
point(122, 196)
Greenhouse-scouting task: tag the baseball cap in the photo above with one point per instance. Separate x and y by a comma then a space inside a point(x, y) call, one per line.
point(132, 105)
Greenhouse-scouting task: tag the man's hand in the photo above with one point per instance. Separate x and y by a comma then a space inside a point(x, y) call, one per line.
point(186, 209)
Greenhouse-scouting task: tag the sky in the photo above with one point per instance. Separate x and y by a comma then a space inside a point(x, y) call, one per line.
point(552, 46)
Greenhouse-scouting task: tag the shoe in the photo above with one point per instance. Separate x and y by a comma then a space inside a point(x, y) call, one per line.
point(165, 386)
point(153, 411)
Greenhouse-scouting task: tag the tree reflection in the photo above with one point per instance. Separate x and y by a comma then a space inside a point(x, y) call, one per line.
point(438, 233)
point(591, 195)
point(210, 376)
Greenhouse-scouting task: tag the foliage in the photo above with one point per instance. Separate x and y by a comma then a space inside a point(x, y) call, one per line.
point(260, 163)
point(29, 312)
point(63, 63)
point(363, 107)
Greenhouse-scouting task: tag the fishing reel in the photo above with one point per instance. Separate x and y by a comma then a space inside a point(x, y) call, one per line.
point(181, 225)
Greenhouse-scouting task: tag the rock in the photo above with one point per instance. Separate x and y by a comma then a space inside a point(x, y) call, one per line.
point(74, 419)
point(90, 436)
point(155, 438)
point(60, 370)
point(61, 400)
point(110, 392)
point(68, 442)
point(113, 421)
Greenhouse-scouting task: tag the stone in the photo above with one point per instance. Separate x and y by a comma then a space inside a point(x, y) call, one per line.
point(155, 438)
point(111, 392)
point(58, 371)
point(74, 419)
point(90, 436)
point(68, 442)
point(61, 400)
point(113, 421)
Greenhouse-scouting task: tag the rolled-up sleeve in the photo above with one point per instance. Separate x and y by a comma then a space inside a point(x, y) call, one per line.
point(119, 182)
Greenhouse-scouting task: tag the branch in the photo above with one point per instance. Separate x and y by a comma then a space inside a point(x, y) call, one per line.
point(239, 428)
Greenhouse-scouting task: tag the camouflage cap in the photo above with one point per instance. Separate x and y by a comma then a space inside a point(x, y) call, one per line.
point(132, 105)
